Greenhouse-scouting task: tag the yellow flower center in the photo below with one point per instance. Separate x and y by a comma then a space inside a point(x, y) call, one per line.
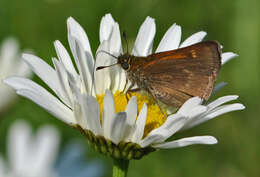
point(155, 117)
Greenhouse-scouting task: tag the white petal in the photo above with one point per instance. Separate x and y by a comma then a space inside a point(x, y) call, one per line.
point(81, 51)
point(51, 104)
point(225, 109)
point(79, 117)
point(219, 111)
point(171, 40)
point(43, 70)
point(65, 58)
point(227, 56)
point(7, 96)
point(173, 124)
point(150, 139)
point(187, 142)
point(115, 48)
point(40, 96)
point(2, 167)
point(108, 78)
point(75, 84)
point(19, 139)
point(76, 31)
point(63, 81)
point(193, 39)
point(45, 149)
point(131, 111)
point(108, 114)
point(8, 55)
point(198, 110)
point(102, 77)
point(221, 101)
point(144, 40)
point(91, 112)
point(194, 115)
point(218, 87)
point(106, 26)
point(77, 103)
point(122, 81)
point(140, 124)
point(118, 127)
point(118, 78)
point(85, 65)
point(23, 69)
point(189, 104)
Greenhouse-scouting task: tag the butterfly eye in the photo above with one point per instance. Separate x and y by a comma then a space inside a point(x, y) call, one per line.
point(125, 66)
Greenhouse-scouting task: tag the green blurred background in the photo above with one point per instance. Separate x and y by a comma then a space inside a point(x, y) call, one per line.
point(36, 24)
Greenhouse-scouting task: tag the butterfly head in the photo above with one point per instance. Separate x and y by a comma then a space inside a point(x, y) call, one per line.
point(124, 61)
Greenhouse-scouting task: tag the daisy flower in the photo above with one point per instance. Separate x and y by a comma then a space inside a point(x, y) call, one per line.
point(35, 155)
point(98, 106)
point(30, 155)
point(10, 64)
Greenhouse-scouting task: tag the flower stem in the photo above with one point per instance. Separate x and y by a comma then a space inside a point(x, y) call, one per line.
point(120, 167)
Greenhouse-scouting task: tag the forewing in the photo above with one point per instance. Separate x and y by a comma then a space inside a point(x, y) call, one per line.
point(183, 73)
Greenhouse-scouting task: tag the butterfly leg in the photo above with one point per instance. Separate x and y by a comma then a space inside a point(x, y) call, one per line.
point(130, 90)
point(125, 85)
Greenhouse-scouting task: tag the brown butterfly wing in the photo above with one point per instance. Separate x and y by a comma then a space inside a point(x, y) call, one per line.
point(175, 76)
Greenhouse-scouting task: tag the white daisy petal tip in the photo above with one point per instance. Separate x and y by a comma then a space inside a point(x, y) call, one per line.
point(10, 81)
point(227, 56)
point(149, 19)
point(106, 27)
point(6, 80)
point(207, 140)
point(27, 56)
point(240, 106)
point(193, 39)
point(71, 23)
point(109, 16)
point(171, 39)
point(144, 40)
point(221, 101)
point(70, 20)
point(203, 33)
point(234, 97)
point(57, 44)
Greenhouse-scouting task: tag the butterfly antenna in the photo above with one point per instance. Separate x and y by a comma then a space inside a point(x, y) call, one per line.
point(103, 67)
point(93, 78)
point(124, 36)
point(103, 51)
